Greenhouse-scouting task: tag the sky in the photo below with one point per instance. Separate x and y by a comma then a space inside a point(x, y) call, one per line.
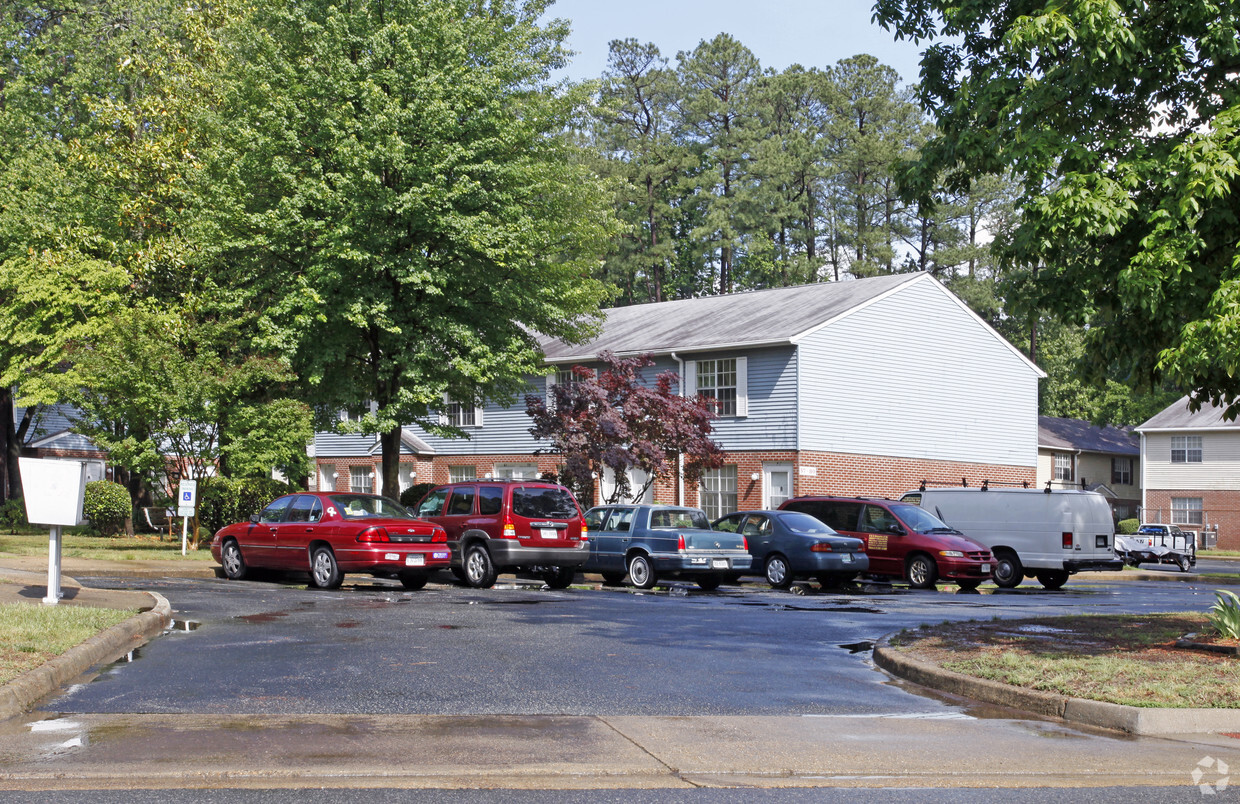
point(812, 33)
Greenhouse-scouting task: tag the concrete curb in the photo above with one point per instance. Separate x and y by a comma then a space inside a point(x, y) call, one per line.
point(26, 690)
point(1131, 719)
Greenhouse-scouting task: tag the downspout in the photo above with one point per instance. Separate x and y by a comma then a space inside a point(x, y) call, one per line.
point(1141, 517)
point(680, 456)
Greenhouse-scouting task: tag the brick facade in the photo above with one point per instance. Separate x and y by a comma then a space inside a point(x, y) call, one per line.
point(1220, 508)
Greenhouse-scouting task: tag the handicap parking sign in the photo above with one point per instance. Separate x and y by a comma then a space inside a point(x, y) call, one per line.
point(187, 497)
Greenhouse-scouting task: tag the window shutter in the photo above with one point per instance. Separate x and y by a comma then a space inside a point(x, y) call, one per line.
point(551, 390)
point(690, 378)
point(742, 386)
point(477, 417)
point(443, 413)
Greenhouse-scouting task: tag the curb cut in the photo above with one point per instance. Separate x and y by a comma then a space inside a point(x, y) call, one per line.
point(1100, 714)
point(29, 688)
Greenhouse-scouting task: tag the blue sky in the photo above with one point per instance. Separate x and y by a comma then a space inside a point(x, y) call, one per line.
point(813, 33)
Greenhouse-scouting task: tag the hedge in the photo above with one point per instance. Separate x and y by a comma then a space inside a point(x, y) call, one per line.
point(107, 506)
point(223, 501)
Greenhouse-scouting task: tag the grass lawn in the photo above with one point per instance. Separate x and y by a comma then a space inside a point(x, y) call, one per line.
point(114, 548)
point(31, 635)
point(1123, 659)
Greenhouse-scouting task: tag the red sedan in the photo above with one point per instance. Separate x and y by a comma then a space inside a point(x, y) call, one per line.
point(328, 534)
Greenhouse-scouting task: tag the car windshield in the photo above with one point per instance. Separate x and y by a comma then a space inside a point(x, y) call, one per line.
point(919, 519)
point(366, 506)
point(1151, 529)
point(668, 518)
point(545, 502)
point(804, 523)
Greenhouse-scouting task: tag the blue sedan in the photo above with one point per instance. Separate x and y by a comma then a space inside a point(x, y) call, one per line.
point(789, 545)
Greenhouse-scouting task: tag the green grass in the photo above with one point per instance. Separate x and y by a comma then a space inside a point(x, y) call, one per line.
point(33, 634)
point(1217, 553)
point(111, 548)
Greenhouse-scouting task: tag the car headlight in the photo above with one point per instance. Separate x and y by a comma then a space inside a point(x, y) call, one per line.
point(951, 554)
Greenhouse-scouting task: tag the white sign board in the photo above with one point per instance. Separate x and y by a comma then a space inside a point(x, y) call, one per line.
point(53, 490)
point(187, 497)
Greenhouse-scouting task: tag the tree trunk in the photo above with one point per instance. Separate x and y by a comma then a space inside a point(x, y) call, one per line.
point(390, 444)
point(7, 434)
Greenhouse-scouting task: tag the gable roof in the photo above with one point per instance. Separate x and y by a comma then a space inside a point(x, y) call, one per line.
point(1177, 416)
point(755, 318)
point(1078, 434)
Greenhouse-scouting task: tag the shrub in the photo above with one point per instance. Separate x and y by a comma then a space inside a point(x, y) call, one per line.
point(13, 514)
point(107, 506)
point(414, 494)
point(1225, 614)
point(1126, 526)
point(223, 501)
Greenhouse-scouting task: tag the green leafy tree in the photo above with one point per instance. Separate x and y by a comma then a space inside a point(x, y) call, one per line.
point(403, 190)
point(1122, 120)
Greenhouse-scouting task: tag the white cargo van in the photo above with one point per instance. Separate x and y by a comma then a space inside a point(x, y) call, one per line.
point(1036, 533)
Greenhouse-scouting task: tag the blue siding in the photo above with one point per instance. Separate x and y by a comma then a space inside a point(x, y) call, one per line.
point(772, 388)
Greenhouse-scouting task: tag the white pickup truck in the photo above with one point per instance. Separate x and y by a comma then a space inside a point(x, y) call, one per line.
point(1155, 543)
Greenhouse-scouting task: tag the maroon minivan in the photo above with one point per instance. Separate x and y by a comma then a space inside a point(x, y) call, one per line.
point(902, 540)
point(494, 526)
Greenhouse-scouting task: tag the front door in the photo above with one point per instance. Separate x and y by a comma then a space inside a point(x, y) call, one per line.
point(776, 484)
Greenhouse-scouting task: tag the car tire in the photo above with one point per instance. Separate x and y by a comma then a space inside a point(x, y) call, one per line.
point(778, 573)
point(612, 578)
point(1053, 579)
point(324, 571)
point(921, 572)
point(480, 572)
point(1182, 563)
point(709, 583)
point(560, 577)
point(969, 583)
point(233, 561)
point(641, 571)
point(1009, 572)
point(413, 581)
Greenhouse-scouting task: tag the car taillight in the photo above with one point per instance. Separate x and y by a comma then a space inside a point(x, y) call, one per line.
point(585, 532)
point(510, 530)
point(745, 543)
point(680, 542)
point(820, 547)
point(1067, 540)
point(373, 535)
point(439, 535)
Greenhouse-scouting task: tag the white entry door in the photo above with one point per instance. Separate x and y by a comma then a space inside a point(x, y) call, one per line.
point(776, 484)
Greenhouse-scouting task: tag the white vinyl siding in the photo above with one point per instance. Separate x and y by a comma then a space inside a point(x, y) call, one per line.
point(915, 375)
point(1220, 470)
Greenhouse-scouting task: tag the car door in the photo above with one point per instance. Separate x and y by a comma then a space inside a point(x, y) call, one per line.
point(302, 524)
point(616, 536)
point(757, 531)
point(884, 540)
point(263, 535)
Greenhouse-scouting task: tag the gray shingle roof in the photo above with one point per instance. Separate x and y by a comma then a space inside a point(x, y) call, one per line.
point(753, 318)
point(1177, 416)
point(1078, 434)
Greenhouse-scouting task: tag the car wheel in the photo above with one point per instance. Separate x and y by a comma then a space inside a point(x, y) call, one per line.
point(234, 564)
point(1053, 579)
point(413, 581)
point(778, 574)
point(1134, 564)
point(921, 572)
point(1008, 571)
point(612, 578)
point(709, 583)
point(969, 583)
point(560, 577)
point(324, 571)
point(459, 574)
point(480, 572)
point(641, 572)
point(1182, 563)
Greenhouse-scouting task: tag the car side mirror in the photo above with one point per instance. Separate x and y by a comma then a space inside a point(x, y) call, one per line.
point(254, 518)
point(895, 529)
point(411, 510)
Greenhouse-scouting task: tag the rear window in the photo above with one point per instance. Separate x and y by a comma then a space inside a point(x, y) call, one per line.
point(545, 502)
point(361, 506)
point(804, 523)
point(679, 518)
point(836, 515)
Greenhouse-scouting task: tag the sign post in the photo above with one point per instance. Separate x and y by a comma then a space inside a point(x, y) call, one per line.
point(187, 501)
point(53, 492)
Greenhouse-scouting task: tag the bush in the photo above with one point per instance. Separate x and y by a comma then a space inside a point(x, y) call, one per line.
point(1127, 526)
point(414, 494)
point(1225, 614)
point(13, 514)
point(107, 506)
point(223, 501)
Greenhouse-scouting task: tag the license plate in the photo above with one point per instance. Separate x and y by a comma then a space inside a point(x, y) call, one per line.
point(985, 568)
point(847, 558)
point(719, 563)
point(415, 560)
point(391, 556)
point(549, 533)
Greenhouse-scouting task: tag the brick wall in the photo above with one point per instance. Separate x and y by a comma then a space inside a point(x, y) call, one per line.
point(1220, 508)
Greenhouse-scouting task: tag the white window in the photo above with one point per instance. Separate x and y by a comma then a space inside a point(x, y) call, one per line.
point(459, 474)
point(516, 471)
point(1063, 466)
point(718, 493)
point(361, 479)
point(1186, 449)
point(726, 381)
point(1187, 511)
point(637, 480)
point(1121, 471)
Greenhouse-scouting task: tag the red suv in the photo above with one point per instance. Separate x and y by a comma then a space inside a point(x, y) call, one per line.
point(902, 540)
point(495, 526)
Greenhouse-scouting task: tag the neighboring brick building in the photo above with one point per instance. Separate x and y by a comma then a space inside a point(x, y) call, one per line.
point(867, 386)
point(1190, 471)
